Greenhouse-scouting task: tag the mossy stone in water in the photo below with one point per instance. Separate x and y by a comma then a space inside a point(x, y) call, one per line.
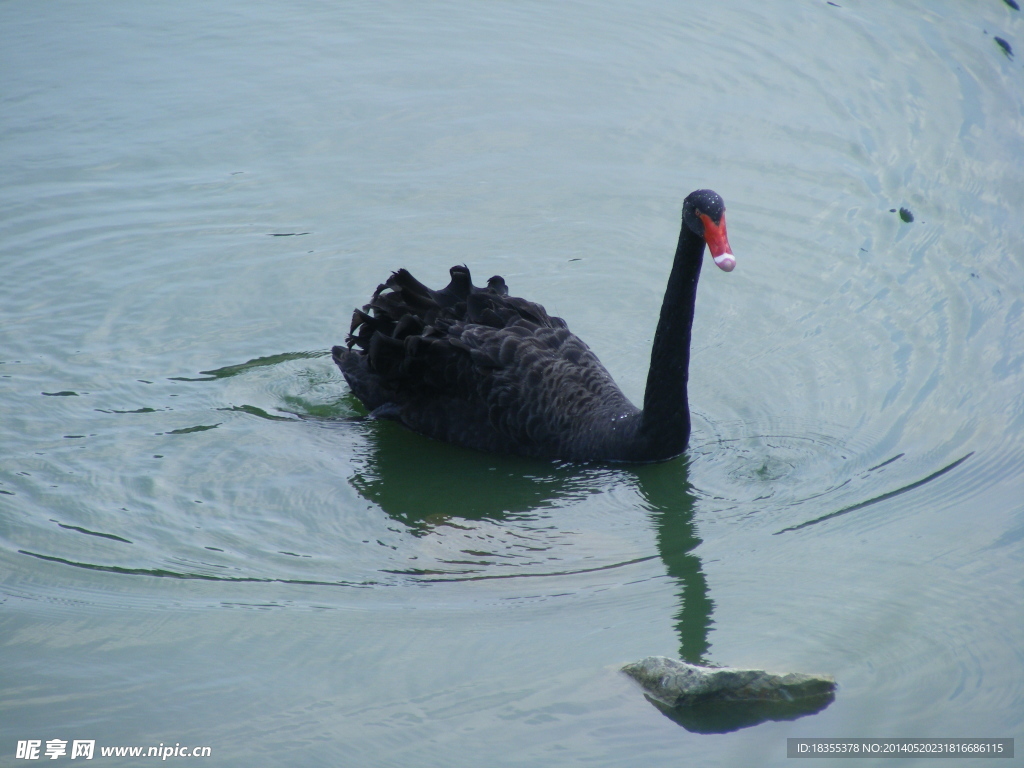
point(678, 684)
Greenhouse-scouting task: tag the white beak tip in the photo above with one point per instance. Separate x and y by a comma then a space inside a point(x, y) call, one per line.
point(726, 262)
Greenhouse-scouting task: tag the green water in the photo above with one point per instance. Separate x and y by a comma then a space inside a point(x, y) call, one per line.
point(203, 543)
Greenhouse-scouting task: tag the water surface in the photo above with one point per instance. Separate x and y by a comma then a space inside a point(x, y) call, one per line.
point(202, 541)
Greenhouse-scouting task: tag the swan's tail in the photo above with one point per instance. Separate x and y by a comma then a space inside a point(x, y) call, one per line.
point(411, 332)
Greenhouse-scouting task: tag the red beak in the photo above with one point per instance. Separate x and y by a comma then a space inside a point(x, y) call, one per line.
point(718, 242)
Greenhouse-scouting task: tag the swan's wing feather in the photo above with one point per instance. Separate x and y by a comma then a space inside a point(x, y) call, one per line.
point(521, 388)
point(475, 366)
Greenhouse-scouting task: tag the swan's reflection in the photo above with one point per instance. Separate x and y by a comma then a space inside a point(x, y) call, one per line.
point(666, 493)
point(422, 484)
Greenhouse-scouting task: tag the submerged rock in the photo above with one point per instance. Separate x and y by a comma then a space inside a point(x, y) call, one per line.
point(717, 700)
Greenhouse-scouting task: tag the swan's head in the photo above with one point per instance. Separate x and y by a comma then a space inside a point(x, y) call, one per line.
point(704, 213)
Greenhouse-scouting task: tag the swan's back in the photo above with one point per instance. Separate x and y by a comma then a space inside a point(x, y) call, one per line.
point(477, 367)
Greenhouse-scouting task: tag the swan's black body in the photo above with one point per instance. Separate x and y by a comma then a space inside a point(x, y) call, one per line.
point(479, 368)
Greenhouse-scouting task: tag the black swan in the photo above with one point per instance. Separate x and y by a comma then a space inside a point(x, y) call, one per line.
point(479, 368)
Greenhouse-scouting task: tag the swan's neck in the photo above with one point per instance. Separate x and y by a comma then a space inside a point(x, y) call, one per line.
point(665, 424)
